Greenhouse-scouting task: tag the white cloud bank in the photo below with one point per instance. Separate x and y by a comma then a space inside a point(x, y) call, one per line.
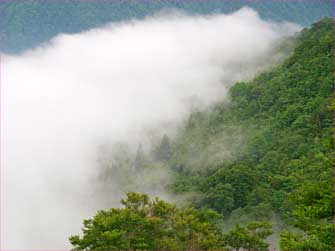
point(61, 100)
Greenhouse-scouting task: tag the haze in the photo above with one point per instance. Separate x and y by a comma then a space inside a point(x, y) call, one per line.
point(63, 99)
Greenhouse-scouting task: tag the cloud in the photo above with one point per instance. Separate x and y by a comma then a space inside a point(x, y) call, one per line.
point(62, 99)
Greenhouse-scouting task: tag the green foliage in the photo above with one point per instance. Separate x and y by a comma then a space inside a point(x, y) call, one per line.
point(321, 240)
point(150, 224)
point(268, 153)
point(163, 151)
point(237, 181)
point(313, 212)
point(270, 150)
point(219, 197)
point(251, 237)
point(140, 159)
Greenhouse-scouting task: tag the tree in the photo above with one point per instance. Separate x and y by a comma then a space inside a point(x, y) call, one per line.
point(150, 224)
point(313, 214)
point(139, 159)
point(230, 186)
point(219, 197)
point(163, 152)
point(251, 237)
point(284, 118)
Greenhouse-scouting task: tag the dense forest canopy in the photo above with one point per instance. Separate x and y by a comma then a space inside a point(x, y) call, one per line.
point(267, 154)
point(153, 224)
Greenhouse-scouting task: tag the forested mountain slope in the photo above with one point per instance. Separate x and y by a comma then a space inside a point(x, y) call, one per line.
point(265, 156)
point(270, 151)
point(26, 24)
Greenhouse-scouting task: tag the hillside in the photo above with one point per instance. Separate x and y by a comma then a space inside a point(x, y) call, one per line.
point(263, 161)
point(26, 24)
point(270, 151)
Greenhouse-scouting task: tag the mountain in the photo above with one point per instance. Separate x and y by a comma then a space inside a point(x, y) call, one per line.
point(269, 153)
point(267, 156)
point(26, 24)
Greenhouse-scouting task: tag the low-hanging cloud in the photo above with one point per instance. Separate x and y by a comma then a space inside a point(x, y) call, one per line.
point(62, 99)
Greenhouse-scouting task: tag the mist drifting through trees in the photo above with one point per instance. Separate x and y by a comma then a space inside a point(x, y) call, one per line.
point(163, 106)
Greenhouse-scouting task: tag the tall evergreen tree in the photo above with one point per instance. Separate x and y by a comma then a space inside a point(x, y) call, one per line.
point(139, 159)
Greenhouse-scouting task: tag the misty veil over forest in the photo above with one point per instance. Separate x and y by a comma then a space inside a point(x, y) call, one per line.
point(226, 117)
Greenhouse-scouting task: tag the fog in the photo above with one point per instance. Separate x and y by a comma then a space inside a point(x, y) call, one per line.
point(63, 99)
